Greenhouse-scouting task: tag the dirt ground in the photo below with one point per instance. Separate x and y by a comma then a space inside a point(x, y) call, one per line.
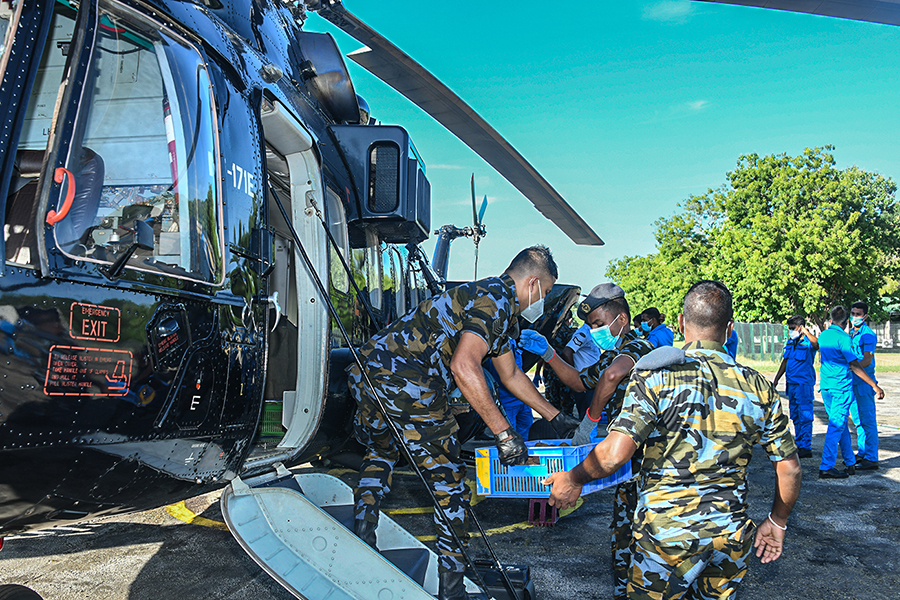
point(843, 541)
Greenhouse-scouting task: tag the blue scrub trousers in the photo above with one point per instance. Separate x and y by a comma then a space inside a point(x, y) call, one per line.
point(800, 401)
point(862, 410)
point(837, 404)
point(519, 416)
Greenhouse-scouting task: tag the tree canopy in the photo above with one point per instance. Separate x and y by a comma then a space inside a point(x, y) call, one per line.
point(788, 235)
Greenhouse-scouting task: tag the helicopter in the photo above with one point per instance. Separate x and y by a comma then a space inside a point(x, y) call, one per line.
point(177, 177)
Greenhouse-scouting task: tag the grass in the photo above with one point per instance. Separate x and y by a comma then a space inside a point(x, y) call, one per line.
point(885, 362)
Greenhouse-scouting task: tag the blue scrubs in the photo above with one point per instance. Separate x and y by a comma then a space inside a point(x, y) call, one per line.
point(862, 409)
point(517, 412)
point(800, 375)
point(836, 385)
point(731, 344)
point(661, 336)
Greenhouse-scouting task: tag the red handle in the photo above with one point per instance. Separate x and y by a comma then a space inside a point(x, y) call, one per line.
point(54, 217)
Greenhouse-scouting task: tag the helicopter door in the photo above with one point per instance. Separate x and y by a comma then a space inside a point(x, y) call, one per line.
point(132, 181)
point(298, 357)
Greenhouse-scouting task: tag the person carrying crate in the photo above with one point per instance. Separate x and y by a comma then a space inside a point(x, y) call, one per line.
point(414, 361)
point(697, 415)
point(605, 310)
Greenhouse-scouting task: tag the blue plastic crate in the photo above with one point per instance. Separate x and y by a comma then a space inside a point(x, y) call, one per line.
point(524, 481)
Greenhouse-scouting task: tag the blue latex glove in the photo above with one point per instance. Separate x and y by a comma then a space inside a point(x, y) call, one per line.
point(531, 341)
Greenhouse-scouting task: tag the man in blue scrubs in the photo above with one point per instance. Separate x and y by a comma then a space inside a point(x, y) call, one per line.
point(797, 365)
point(862, 409)
point(839, 359)
point(517, 412)
point(657, 333)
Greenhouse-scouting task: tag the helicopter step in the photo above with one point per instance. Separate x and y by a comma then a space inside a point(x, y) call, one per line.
point(299, 529)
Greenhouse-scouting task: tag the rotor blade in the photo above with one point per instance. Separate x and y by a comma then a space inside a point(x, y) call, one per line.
point(481, 210)
point(397, 69)
point(476, 260)
point(474, 214)
point(873, 11)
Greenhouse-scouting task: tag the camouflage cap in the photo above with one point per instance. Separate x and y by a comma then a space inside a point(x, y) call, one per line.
point(599, 296)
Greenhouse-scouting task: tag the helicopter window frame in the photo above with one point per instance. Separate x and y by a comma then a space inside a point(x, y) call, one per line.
point(389, 282)
point(400, 277)
point(186, 121)
point(9, 36)
point(21, 229)
point(336, 221)
point(374, 271)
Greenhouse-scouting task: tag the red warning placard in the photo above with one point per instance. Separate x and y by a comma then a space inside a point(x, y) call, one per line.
point(74, 371)
point(93, 322)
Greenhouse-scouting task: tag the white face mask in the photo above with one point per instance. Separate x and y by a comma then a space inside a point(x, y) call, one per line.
point(535, 309)
point(795, 334)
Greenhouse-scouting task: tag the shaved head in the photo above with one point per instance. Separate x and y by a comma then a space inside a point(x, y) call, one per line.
point(536, 260)
point(708, 306)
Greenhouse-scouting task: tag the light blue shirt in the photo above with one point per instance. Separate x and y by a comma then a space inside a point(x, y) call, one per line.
point(586, 351)
point(864, 340)
point(836, 349)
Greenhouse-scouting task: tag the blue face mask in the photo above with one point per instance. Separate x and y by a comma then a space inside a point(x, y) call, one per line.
point(604, 338)
point(645, 326)
point(856, 321)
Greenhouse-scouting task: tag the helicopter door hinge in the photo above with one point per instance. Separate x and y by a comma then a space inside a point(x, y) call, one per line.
point(273, 302)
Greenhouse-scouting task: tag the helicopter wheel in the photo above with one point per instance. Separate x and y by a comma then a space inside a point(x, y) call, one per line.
point(17, 592)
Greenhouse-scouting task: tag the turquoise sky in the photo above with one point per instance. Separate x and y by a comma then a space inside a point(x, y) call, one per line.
point(627, 108)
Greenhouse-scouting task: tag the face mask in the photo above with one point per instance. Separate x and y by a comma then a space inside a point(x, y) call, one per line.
point(604, 337)
point(534, 309)
point(795, 334)
point(856, 321)
point(645, 326)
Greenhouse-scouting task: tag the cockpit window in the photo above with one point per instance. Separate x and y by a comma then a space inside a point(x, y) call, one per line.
point(7, 14)
point(143, 156)
point(21, 201)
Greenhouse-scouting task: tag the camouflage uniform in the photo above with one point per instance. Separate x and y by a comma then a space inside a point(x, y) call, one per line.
point(409, 364)
point(698, 422)
point(626, 493)
point(632, 345)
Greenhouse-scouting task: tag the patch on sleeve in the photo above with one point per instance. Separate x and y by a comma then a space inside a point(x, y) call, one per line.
point(664, 356)
point(498, 327)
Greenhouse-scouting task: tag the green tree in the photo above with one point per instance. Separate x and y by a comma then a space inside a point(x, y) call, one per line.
point(789, 235)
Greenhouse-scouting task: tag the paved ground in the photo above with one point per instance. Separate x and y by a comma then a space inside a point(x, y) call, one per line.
point(843, 543)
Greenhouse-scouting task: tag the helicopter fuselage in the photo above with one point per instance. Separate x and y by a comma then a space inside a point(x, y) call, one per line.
point(132, 382)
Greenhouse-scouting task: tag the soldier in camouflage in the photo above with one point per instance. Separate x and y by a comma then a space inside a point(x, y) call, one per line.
point(604, 308)
point(697, 415)
point(414, 362)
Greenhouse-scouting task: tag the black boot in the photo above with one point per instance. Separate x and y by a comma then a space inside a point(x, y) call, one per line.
point(365, 530)
point(452, 587)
